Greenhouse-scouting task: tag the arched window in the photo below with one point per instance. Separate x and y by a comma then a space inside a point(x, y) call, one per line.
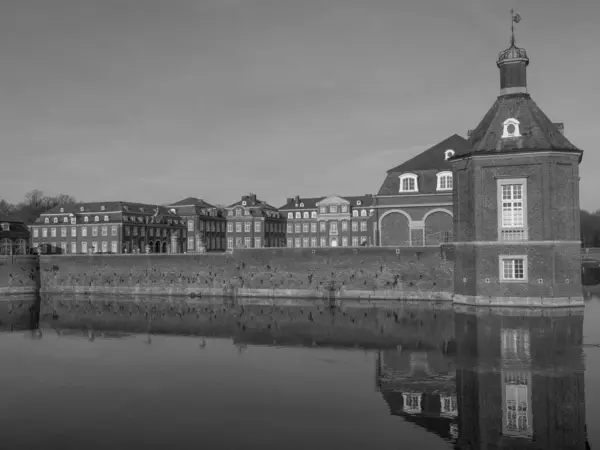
point(96, 219)
point(444, 181)
point(290, 215)
point(20, 247)
point(313, 214)
point(66, 220)
point(55, 220)
point(46, 220)
point(363, 213)
point(86, 219)
point(448, 154)
point(510, 128)
point(409, 183)
point(355, 213)
point(298, 215)
point(5, 247)
point(305, 214)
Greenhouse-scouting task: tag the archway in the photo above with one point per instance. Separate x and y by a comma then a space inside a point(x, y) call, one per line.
point(20, 247)
point(157, 246)
point(333, 242)
point(394, 229)
point(438, 227)
point(5, 247)
point(150, 247)
point(164, 247)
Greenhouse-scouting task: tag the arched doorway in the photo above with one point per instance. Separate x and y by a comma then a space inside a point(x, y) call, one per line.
point(438, 227)
point(20, 247)
point(394, 229)
point(333, 242)
point(164, 247)
point(5, 247)
point(157, 246)
point(150, 247)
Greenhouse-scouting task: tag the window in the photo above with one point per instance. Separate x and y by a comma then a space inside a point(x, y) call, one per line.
point(238, 212)
point(247, 212)
point(323, 226)
point(355, 241)
point(104, 231)
point(510, 128)
point(94, 246)
point(55, 220)
point(73, 247)
point(247, 226)
point(313, 241)
point(127, 231)
point(448, 405)
point(333, 227)
point(229, 242)
point(84, 248)
point(290, 215)
point(297, 228)
point(113, 231)
point(73, 231)
point(313, 227)
point(344, 241)
point(290, 228)
point(63, 232)
point(106, 218)
point(512, 209)
point(86, 219)
point(323, 210)
point(344, 208)
point(73, 220)
point(344, 225)
point(257, 227)
point(355, 213)
point(53, 232)
point(448, 154)
point(35, 232)
point(304, 242)
point(313, 215)
point(363, 225)
point(297, 242)
point(229, 227)
point(104, 246)
point(363, 239)
point(333, 209)
point(513, 268)
point(363, 213)
point(408, 183)
point(290, 242)
point(94, 231)
point(96, 219)
point(44, 232)
point(114, 246)
point(247, 242)
point(46, 220)
point(190, 225)
point(190, 244)
point(305, 215)
point(305, 228)
point(238, 227)
point(298, 215)
point(53, 247)
point(238, 242)
point(412, 403)
point(257, 242)
point(66, 220)
point(354, 226)
point(84, 231)
point(63, 247)
point(323, 242)
point(444, 181)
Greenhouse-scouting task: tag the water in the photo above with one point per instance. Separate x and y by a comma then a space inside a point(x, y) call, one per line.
point(101, 373)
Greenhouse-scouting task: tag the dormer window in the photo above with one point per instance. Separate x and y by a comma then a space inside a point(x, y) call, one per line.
point(363, 213)
point(55, 220)
point(355, 213)
point(511, 128)
point(358, 202)
point(102, 208)
point(298, 215)
point(408, 183)
point(5, 227)
point(46, 220)
point(73, 221)
point(106, 218)
point(86, 219)
point(313, 214)
point(244, 203)
point(448, 154)
point(81, 208)
point(444, 181)
point(96, 219)
point(290, 215)
point(62, 209)
point(301, 205)
point(305, 215)
point(238, 212)
point(66, 220)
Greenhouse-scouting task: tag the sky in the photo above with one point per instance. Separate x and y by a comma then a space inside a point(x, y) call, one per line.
point(157, 100)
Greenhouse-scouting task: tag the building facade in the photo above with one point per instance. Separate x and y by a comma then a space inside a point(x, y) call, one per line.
point(253, 223)
point(14, 236)
point(108, 227)
point(205, 225)
point(414, 203)
point(332, 221)
point(516, 203)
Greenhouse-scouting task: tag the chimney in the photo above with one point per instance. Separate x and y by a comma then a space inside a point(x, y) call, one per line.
point(469, 133)
point(289, 200)
point(297, 199)
point(560, 126)
point(253, 198)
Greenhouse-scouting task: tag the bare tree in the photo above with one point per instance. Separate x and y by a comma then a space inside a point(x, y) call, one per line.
point(6, 207)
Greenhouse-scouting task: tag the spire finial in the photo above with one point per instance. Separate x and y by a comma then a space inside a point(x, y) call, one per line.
point(514, 18)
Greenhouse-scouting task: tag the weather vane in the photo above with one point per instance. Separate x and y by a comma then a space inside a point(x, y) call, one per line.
point(515, 18)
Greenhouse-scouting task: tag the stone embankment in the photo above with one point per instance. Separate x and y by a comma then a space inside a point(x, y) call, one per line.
point(19, 274)
point(363, 273)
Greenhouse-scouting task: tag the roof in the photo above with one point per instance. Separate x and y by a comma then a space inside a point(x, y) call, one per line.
point(311, 202)
point(8, 218)
point(192, 206)
point(434, 158)
point(120, 206)
point(192, 201)
point(538, 132)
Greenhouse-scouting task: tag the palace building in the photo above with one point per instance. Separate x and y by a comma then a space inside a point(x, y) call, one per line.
point(206, 225)
point(14, 236)
point(253, 223)
point(414, 203)
point(108, 227)
point(329, 221)
point(516, 202)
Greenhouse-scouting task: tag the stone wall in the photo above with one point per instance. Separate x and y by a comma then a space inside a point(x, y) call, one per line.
point(363, 273)
point(18, 274)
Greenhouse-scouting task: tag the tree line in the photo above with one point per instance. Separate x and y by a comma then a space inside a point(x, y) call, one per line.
point(36, 202)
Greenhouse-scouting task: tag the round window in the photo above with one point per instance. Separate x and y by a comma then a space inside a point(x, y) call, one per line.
point(510, 129)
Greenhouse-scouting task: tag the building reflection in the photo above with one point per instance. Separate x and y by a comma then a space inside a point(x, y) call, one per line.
point(514, 381)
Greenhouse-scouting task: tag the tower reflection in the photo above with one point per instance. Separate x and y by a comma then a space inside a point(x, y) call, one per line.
point(514, 381)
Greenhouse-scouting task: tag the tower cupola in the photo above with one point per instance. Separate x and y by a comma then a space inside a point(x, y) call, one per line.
point(513, 63)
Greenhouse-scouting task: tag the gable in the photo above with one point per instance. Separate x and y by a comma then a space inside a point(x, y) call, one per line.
point(333, 200)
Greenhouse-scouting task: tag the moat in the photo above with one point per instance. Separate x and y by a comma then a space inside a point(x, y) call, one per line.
point(121, 372)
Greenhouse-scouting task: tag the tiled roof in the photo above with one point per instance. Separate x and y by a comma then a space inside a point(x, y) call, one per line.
point(96, 207)
point(538, 133)
point(10, 219)
point(311, 202)
point(191, 206)
point(434, 158)
point(193, 201)
point(256, 207)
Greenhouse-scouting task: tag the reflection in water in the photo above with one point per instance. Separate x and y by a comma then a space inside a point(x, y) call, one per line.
point(476, 379)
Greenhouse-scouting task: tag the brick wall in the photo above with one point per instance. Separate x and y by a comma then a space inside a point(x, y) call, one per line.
point(368, 273)
point(18, 274)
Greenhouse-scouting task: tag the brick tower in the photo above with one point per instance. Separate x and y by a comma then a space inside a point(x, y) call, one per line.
point(516, 202)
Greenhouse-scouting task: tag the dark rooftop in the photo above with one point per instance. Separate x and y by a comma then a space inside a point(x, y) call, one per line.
point(434, 158)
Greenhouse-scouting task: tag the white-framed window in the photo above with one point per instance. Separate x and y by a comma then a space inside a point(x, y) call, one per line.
point(305, 242)
point(516, 417)
point(247, 242)
point(355, 241)
point(290, 228)
point(84, 247)
point(53, 232)
point(84, 231)
point(94, 231)
point(290, 242)
point(190, 225)
point(513, 268)
point(344, 208)
point(238, 242)
point(104, 231)
point(344, 225)
point(63, 247)
point(73, 231)
point(297, 242)
point(363, 213)
point(313, 241)
point(305, 228)
point(238, 212)
point(313, 215)
point(333, 209)
point(344, 241)
point(512, 209)
point(363, 225)
point(412, 403)
point(104, 246)
point(444, 181)
point(238, 227)
point(363, 239)
point(36, 232)
point(323, 226)
point(190, 244)
point(297, 228)
point(229, 227)
point(55, 220)
point(66, 220)
point(73, 247)
point(354, 226)
point(113, 230)
point(257, 242)
point(448, 154)
point(510, 128)
point(409, 183)
point(46, 220)
point(44, 232)
point(86, 219)
point(323, 210)
point(63, 232)
point(298, 215)
point(114, 246)
point(305, 215)
point(229, 242)
point(106, 218)
point(290, 215)
point(355, 213)
point(247, 226)
point(73, 220)
point(95, 246)
point(333, 226)
point(313, 227)
point(96, 219)
point(448, 405)
point(257, 227)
